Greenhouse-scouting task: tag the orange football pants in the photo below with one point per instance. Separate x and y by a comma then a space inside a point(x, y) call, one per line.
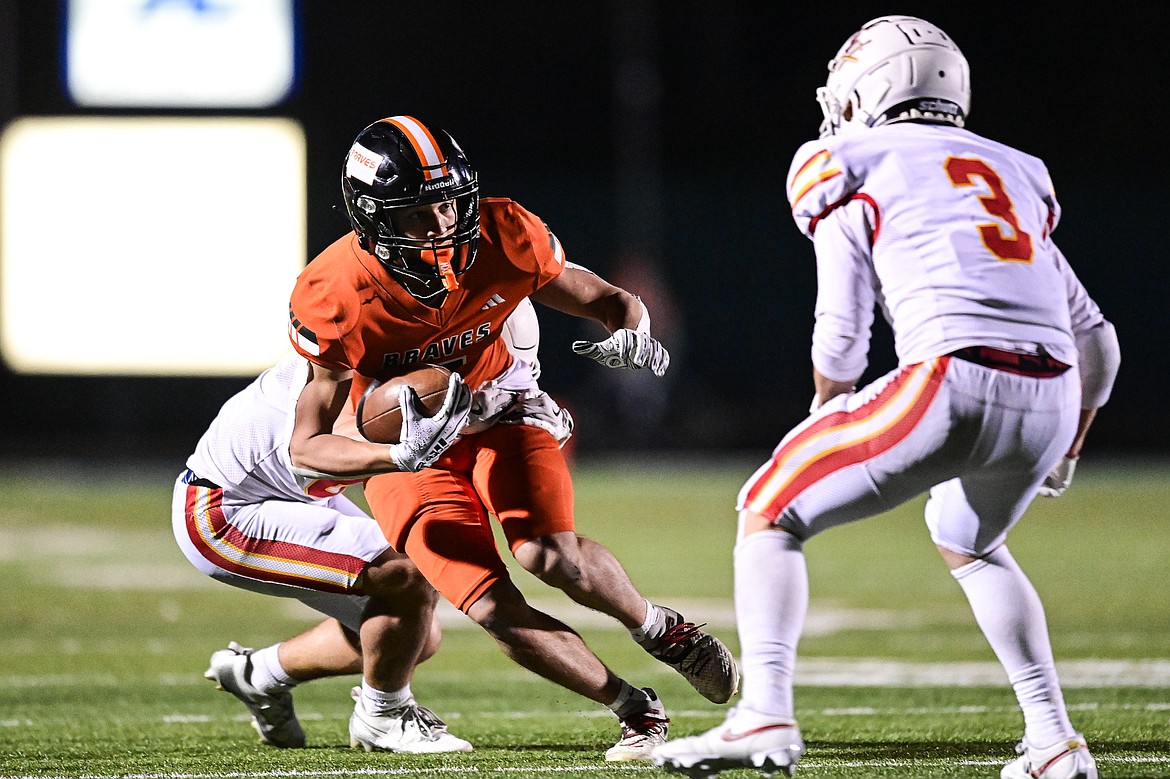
point(439, 516)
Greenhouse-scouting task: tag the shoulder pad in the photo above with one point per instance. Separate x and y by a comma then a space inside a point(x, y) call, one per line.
point(818, 180)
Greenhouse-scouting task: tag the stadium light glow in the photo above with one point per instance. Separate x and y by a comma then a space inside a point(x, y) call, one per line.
point(149, 246)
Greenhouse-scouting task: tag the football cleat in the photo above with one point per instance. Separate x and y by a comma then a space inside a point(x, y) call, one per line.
point(273, 716)
point(771, 745)
point(1068, 759)
point(410, 728)
point(641, 733)
point(703, 660)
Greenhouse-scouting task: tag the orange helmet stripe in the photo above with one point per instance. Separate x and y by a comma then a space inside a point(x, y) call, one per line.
point(425, 146)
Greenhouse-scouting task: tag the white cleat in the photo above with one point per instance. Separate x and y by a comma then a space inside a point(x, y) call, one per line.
point(1068, 759)
point(412, 728)
point(273, 716)
point(745, 740)
point(641, 733)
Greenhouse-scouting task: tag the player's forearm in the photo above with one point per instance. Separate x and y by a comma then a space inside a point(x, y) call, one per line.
point(338, 456)
point(580, 292)
point(1085, 422)
point(827, 388)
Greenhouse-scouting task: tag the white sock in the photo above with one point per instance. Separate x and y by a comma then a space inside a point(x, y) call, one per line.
point(652, 626)
point(1011, 616)
point(268, 675)
point(630, 700)
point(771, 600)
point(377, 702)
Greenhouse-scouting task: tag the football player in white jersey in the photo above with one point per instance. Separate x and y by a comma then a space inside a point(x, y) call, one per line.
point(1003, 360)
point(243, 517)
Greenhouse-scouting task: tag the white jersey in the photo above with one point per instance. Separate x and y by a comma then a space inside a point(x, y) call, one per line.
point(245, 450)
point(948, 233)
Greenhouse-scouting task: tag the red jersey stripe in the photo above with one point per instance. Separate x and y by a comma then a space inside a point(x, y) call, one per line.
point(281, 562)
point(842, 439)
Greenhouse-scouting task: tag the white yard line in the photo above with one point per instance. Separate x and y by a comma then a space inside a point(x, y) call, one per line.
point(809, 762)
point(810, 672)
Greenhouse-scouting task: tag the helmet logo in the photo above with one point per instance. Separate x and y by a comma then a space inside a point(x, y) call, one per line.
point(851, 49)
point(362, 164)
point(436, 184)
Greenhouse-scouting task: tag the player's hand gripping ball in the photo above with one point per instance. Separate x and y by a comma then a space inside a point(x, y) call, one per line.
point(379, 416)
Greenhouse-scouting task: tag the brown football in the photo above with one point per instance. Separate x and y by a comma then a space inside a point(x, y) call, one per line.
point(379, 418)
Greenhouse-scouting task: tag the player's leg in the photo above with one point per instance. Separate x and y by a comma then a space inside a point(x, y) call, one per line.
point(859, 455)
point(436, 518)
point(321, 554)
point(324, 650)
point(399, 630)
point(524, 482)
point(551, 649)
point(969, 518)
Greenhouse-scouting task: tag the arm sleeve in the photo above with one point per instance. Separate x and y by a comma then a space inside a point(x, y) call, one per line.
point(1100, 358)
point(846, 293)
point(1098, 351)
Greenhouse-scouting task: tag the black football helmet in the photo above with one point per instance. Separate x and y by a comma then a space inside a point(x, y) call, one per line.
point(399, 162)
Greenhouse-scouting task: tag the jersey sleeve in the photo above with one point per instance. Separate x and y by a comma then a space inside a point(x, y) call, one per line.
point(818, 181)
point(316, 322)
point(847, 292)
point(545, 253)
point(1041, 181)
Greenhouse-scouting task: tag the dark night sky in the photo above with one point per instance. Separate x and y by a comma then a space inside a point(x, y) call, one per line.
point(685, 161)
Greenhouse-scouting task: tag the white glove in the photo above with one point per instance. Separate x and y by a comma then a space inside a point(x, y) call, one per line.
point(424, 438)
point(541, 411)
point(1056, 482)
point(627, 348)
point(488, 403)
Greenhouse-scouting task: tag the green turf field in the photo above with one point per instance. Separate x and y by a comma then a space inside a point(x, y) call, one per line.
point(105, 632)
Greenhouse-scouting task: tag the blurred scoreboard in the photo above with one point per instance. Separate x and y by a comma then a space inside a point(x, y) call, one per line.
point(158, 230)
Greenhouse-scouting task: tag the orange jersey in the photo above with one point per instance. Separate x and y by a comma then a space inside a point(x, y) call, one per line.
point(347, 312)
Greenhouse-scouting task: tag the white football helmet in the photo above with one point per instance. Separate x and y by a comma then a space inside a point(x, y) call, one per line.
point(893, 69)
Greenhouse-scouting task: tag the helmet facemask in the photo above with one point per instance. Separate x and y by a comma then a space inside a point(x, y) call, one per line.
point(398, 164)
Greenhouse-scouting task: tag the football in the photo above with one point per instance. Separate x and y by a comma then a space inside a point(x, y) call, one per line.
point(379, 418)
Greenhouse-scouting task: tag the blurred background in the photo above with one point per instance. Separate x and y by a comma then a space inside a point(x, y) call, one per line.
point(652, 137)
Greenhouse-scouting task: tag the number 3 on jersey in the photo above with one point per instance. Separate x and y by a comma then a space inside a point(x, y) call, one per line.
point(1016, 247)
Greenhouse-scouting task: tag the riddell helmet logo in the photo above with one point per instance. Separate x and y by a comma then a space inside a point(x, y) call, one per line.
point(443, 183)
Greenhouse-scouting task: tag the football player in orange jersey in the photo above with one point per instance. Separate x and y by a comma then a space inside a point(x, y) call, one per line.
point(243, 518)
point(429, 274)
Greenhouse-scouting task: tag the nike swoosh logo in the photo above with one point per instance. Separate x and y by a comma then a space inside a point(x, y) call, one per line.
point(752, 732)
